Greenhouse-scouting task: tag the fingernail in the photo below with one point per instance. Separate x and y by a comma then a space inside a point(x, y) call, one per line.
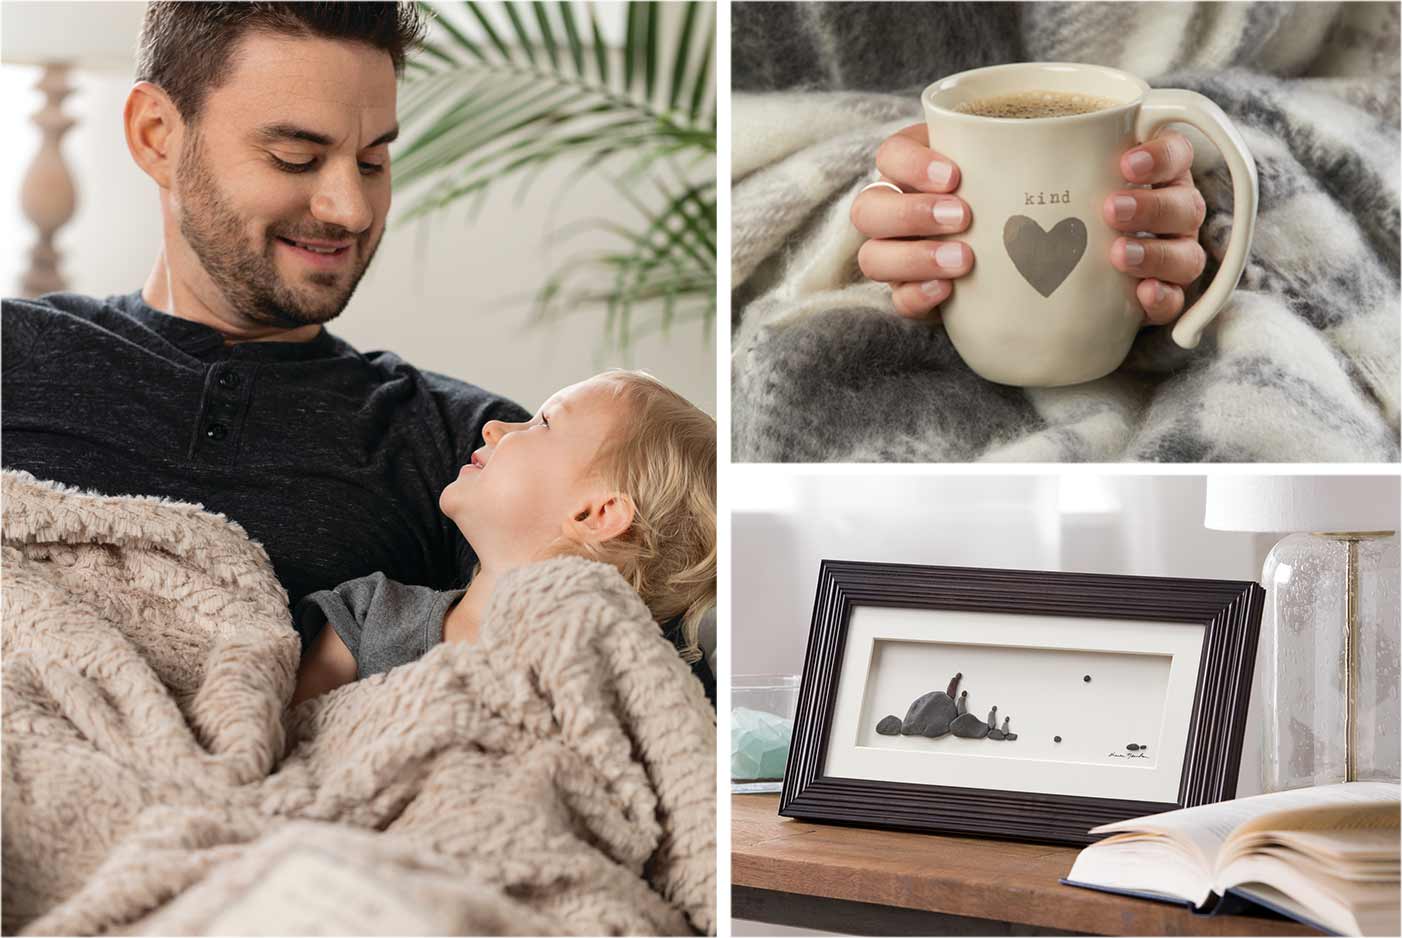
point(949, 211)
point(1134, 253)
point(933, 287)
point(940, 172)
point(949, 256)
point(1140, 162)
point(1159, 291)
point(1124, 208)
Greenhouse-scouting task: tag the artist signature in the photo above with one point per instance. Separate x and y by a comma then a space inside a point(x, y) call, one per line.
point(1129, 755)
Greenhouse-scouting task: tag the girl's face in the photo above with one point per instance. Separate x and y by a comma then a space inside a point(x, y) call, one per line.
point(530, 483)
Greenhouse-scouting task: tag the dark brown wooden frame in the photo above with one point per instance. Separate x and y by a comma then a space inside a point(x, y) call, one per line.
point(1229, 611)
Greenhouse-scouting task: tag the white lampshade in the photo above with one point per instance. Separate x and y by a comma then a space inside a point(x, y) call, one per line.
point(93, 35)
point(1302, 503)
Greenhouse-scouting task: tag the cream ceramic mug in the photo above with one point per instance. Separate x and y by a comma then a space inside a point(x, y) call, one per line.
point(1043, 306)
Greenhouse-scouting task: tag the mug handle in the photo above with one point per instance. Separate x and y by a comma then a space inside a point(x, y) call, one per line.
point(1167, 106)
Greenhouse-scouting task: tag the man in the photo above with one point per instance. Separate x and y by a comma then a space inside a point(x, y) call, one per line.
point(266, 128)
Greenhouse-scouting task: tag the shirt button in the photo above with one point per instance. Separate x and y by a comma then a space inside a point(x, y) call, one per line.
point(216, 431)
point(229, 379)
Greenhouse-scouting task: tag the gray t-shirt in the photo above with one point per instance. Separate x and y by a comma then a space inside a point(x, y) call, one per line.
point(384, 623)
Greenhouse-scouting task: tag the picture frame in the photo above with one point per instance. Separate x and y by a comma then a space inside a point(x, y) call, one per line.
point(1081, 662)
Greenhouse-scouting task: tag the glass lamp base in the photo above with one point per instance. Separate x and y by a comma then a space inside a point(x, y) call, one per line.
point(1329, 661)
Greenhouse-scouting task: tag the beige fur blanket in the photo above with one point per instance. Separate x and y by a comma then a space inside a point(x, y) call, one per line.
point(556, 777)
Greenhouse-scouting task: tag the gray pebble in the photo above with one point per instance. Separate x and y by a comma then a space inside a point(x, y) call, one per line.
point(930, 715)
point(969, 726)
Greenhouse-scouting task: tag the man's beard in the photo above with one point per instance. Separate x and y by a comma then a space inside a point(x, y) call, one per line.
point(250, 281)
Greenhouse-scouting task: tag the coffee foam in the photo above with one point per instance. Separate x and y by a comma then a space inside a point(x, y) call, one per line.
point(1033, 104)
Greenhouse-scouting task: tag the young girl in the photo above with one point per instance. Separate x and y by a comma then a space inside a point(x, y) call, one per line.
point(618, 468)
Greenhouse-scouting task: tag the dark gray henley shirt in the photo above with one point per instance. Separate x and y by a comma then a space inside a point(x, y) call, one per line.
point(333, 459)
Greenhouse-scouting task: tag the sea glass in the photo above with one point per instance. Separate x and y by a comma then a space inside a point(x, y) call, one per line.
point(759, 745)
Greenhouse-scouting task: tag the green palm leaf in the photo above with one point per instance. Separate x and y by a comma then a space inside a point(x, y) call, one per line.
point(506, 90)
point(681, 53)
point(668, 259)
point(524, 40)
point(572, 34)
point(601, 54)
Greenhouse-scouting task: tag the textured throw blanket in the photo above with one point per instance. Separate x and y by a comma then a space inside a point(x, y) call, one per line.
point(556, 777)
point(1301, 365)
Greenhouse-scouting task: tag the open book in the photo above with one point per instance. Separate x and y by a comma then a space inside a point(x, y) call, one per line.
point(1327, 856)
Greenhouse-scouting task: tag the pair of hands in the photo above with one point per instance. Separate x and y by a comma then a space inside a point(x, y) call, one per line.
point(922, 272)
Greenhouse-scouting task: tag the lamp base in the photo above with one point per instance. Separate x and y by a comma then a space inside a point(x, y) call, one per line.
point(1329, 653)
point(47, 194)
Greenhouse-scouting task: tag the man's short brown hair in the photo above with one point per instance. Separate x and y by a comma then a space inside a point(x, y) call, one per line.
point(189, 48)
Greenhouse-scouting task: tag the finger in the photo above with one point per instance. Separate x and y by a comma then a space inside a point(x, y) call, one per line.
point(900, 261)
point(1170, 210)
point(918, 300)
point(881, 213)
point(1173, 260)
point(1163, 159)
point(1162, 302)
point(906, 159)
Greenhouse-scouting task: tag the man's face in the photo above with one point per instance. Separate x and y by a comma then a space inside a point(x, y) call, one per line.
point(239, 208)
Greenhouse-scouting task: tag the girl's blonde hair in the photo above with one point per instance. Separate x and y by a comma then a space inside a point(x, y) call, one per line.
point(663, 457)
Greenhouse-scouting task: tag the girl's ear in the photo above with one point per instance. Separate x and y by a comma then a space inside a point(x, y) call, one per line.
point(601, 520)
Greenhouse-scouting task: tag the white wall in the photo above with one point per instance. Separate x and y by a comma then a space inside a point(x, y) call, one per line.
point(452, 296)
point(784, 523)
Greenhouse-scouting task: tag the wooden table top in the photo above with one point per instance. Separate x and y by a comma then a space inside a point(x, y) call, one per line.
point(987, 879)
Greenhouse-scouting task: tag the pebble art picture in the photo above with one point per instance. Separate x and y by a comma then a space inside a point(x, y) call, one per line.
point(939, 713)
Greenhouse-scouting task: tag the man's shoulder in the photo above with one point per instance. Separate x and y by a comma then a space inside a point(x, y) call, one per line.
point(26, 317)
point(27, 320)
point(58, 304)
point(453, 394)
point(503, 408)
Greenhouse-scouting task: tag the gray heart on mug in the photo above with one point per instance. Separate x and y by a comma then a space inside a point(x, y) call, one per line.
point(1044, 258)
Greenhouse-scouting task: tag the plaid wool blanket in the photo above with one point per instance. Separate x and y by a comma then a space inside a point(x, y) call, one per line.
point(1302, 363)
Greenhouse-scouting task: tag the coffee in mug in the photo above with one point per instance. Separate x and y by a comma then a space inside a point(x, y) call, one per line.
point(1028, 105)
point(1043, 306)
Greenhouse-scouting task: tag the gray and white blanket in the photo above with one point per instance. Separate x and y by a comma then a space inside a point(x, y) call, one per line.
point(1301, 365)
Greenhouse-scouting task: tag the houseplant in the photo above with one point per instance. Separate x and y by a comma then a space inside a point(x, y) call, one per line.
point(502, 91)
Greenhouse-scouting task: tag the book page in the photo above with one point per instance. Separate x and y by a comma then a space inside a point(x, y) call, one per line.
point(1314, 868)
point(1361, 855)
point(1144, 864)
point(1206, 827)
point(1367, 815)
point(1372, 919)
point(1270, 897)
point(1333, 902)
